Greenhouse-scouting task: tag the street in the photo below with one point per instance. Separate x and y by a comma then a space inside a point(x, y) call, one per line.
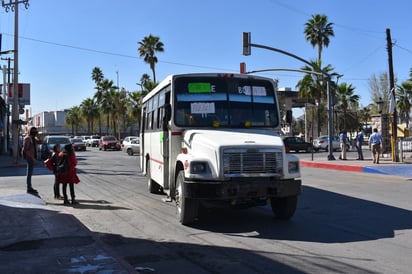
point(346, 222)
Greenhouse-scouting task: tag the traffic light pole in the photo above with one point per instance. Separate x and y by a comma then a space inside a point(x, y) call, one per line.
point(247, 51)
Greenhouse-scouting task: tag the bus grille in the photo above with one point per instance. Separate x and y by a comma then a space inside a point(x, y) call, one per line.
point(249, 162)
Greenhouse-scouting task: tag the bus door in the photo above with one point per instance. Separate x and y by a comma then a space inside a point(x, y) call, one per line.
point(166, 116)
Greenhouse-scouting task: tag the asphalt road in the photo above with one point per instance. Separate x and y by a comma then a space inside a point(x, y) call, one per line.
point(345, 223)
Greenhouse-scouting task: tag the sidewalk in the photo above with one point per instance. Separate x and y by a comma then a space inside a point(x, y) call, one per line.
point(34, 238)
point(385, 167)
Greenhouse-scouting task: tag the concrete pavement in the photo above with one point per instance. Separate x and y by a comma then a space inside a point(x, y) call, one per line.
point(34, 238)
point(38, 238)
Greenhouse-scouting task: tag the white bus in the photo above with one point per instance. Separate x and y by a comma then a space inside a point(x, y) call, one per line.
point(209, 140)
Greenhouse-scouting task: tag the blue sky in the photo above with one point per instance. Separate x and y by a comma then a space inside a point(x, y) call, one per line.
point(62, 41)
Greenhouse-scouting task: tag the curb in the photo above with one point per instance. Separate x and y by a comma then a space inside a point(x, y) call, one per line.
point(332, 166)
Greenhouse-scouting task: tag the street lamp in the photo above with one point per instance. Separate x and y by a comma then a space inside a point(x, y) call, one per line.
point(14, 7)
point(380, 105)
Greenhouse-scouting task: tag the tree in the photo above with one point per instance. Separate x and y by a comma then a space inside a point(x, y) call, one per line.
point(148, 48)
point(73, 118)
point(314, 86)
point(346, 100)
point(103, 97)
point(98, 77)
point(403, 101)
point(379, 89)
point(317, 32)
point(89, 110)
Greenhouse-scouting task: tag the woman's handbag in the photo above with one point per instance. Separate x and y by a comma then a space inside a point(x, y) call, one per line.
point(49, 163)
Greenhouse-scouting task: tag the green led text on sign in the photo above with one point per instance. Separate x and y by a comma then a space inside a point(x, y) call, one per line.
point(200, 87)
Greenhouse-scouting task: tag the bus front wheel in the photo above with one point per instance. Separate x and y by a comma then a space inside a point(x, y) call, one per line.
point(186, 208)
point(284, 207)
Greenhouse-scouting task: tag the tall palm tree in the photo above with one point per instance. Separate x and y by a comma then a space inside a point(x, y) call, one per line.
point(346, 99)
point(98, 77)
point(317, 32)
point(103, 98)
point(89, 109)
point(403, 101)
point(148, 48)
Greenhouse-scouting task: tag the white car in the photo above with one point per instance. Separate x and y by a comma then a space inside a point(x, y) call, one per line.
point(127, 140)
point(93, 141)
point(133, 147)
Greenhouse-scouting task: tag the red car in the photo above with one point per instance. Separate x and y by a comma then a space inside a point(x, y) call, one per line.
point(108, 142)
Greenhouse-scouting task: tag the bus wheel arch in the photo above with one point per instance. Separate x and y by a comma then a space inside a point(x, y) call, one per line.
point(186, 209)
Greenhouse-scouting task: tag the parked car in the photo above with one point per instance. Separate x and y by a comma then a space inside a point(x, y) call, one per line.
point(128, 139)
point(93, 141)
point(51, 140)
point(108, 142)
point(296, 144)
point(133, 147)
point(78, 144)
point(85, 139)
point(322, 143)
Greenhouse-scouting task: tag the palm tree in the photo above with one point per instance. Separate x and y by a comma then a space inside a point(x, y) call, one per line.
point(90, 110)
point(98, 77)
point(346, 99)
point(313, 86)
point(317, 32)
point(103, 98)
point(403, 101)
point(73, 118)
point(148, 48)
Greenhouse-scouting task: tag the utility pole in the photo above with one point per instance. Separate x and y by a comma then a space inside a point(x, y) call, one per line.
point(394, 136)
point(14, 6)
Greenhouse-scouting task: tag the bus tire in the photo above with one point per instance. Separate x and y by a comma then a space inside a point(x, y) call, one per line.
point(186, 208)
point(283, 208)
point(151, 185)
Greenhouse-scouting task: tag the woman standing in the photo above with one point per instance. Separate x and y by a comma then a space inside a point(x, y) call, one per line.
point(55, 160)
point(68, 176)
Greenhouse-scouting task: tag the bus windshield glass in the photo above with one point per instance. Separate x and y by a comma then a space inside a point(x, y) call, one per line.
point(224, 102)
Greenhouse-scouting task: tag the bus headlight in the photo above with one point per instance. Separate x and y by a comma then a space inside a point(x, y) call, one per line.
point(198, 167)
point(293, 167)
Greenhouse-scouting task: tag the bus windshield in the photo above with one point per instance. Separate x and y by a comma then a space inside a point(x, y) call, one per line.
point(224, 102)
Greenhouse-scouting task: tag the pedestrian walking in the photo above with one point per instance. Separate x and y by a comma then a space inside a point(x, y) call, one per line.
point(359, 143)
point(55, 160)
point(375, 142)
point(66, 173)
point(343, 139)
point(30, 154)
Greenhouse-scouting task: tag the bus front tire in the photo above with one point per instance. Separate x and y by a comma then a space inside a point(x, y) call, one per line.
point(283, 208)
point(186, 208)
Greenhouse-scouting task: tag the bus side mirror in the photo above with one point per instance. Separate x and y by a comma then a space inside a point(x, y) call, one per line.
point(289, 116)
point(167, 115)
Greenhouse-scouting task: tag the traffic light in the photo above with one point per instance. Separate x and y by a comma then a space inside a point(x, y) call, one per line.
point(243, 67)
point(246, 43)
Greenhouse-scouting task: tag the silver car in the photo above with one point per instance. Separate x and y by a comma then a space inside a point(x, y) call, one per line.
point(132, 147)
point(322, 143)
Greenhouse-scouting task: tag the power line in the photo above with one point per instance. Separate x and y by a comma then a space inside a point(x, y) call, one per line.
point(111, 53)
